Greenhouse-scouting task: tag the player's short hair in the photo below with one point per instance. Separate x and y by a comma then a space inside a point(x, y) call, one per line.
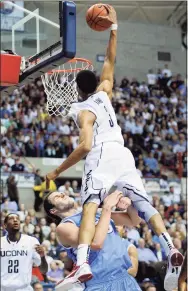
point(7, 216)
point(48, 206)
point(86, 81)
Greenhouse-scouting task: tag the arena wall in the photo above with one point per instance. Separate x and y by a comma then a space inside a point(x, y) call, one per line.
point(138, 43)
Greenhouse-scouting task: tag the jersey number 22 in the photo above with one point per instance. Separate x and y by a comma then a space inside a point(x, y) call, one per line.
point(13, 266)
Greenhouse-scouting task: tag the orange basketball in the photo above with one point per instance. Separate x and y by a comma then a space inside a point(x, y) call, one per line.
point(92, 17)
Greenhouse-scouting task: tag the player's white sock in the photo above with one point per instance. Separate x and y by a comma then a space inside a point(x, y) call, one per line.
point(166, 242)
point(82, 254)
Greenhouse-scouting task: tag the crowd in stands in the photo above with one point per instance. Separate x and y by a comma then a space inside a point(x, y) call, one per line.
point(151, 256)
point(152, 116)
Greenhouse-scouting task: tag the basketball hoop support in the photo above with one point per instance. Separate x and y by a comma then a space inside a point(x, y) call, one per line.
point(55, 55)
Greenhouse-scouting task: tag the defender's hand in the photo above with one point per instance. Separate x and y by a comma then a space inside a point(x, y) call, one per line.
point(40, 250)
point(123, 203)
point(113, 199)
point(111, 17)
point(50, 176)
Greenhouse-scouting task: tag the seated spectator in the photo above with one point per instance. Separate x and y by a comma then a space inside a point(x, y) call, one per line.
point(38, 287)
point(18, 167)
point(133, 235)
point(56, 272)
point(67, 189)
point(152, 163)
point(22, 212)
point(38, 233)
point(179, 148)
point(145, 254)
point(10, 206)
point(159, 253)
point(45, 228)
point(4, 165)
point(54, 244)
point(27, 224)
point(75, 187)
point(178, 244)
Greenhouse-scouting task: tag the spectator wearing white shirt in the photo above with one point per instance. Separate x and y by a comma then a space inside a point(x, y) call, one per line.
point(133, 234)
point(151, 78)
point(143, 88)
point(3, 128)
point(167, 199)
point(10, 159)
point(27, 223)
point(145, 254)
point(167, 71)
point(179, 148)
point(45, 228)
point(67, 189)
point(64, 128)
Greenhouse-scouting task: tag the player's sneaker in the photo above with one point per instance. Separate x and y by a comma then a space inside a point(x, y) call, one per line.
point(79, 274)
point(175, 261)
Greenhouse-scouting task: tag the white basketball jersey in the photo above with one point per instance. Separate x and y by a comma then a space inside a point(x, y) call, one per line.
point(17, 259)
point(106, 128)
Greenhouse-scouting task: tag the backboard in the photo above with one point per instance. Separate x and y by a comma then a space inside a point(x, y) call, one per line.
point(46, 37)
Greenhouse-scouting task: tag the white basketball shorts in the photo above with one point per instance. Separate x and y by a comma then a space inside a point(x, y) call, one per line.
point(106, 164)
point(112, 164)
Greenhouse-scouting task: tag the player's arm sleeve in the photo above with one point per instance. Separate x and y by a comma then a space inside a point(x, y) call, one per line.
point(35, 257)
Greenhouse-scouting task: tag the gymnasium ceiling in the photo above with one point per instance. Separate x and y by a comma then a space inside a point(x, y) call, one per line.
point(151, 12)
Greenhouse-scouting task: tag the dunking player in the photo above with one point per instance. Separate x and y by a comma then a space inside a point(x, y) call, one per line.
point(108, 161)
point(109, 264)
point(18, 254)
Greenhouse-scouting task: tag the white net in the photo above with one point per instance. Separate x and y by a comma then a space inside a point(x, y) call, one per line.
point(60, 86)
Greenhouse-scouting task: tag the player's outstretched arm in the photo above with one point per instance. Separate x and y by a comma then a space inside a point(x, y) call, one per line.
point(107, 75)
point(86, 121)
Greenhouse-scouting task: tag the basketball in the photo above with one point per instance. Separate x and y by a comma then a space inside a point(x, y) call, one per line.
point(93, 20)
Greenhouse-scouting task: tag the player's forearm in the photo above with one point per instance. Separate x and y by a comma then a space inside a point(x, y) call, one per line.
point(112, 47)
point(43, 266)
point(132, 271)
point(78, 154)
point(102, 228)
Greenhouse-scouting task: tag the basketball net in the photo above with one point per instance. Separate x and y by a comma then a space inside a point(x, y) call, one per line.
point(60, 86)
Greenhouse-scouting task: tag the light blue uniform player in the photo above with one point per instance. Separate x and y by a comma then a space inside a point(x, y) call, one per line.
point(110, 264)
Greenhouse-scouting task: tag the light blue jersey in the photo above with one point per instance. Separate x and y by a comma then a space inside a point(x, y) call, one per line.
point(109, 264)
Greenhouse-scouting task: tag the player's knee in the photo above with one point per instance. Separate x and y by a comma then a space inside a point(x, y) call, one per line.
point(151, 211)
point(145, 210)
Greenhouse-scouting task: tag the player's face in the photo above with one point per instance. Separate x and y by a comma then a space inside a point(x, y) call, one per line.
point(61, 201)
point(13, 223)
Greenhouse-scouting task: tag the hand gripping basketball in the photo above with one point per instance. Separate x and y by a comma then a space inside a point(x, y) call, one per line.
point(111, 17)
